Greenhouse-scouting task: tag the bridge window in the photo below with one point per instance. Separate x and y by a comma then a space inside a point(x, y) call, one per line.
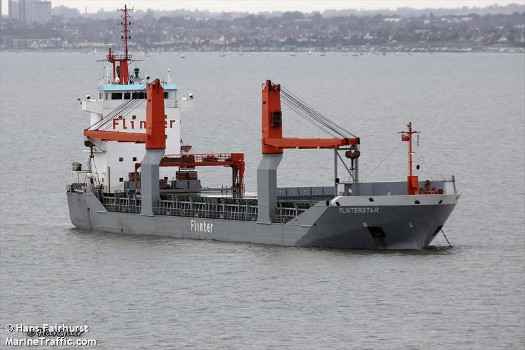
point(100, 95)
point(116, 95)
point(139, 95)
point(166, 95)
point(127, 95)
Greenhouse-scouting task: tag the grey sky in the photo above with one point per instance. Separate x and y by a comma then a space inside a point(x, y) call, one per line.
point(269, 5)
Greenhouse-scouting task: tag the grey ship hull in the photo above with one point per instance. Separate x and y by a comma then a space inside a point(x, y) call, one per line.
point(346, 222)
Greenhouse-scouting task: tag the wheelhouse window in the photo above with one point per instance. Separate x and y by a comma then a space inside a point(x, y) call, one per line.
point(139, 95)
point(116, 95)
point(166, 95)
point(127, 95)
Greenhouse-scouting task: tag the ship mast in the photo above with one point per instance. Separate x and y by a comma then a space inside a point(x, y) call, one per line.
point(412, 180)
point(125, 29)
point(120, 62)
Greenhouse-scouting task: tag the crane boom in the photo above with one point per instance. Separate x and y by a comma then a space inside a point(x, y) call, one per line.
point(273, 141)
point(302, 143)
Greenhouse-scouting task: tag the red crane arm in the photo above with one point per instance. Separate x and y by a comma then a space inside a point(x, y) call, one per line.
point(155, 136)
point(233, 160)
point(272, 132)
point(301, 143)
point(116, 136)
point(206, 159)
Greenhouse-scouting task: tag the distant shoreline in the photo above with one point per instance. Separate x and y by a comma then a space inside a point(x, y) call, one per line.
point(358, 51)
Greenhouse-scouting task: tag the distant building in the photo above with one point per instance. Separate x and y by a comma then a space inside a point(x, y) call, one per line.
point(65, 12)
point(30, 11)
point(40, 12)
point(18, 10)
point(392, 19)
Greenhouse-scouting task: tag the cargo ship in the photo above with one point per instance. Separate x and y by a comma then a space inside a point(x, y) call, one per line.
point(140, 179)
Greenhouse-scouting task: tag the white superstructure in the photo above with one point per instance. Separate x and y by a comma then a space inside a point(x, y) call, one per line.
point(120, 109)
point(113, 160)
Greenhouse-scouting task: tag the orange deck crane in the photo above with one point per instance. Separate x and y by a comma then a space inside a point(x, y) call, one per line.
point(272, 132)
point(155, 138)
point(273, 144)
point(233, 160)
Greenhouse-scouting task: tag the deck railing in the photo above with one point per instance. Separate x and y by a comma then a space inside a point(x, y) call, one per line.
point(206, 207)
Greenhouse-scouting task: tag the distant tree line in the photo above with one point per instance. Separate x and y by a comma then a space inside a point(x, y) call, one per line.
point(290, 30)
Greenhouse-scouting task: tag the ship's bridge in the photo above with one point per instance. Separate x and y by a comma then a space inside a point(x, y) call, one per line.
point(114, 94)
